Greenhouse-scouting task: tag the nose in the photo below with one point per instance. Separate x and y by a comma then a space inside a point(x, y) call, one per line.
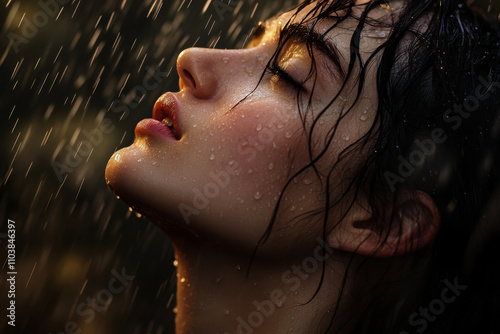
point(197, 69)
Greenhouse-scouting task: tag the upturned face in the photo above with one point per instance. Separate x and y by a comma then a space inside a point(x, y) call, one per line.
point(216, 155)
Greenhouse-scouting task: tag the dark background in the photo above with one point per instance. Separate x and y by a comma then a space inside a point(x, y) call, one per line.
point(60, 83)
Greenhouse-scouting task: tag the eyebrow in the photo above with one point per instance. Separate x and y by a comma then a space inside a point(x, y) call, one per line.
point(299, 33)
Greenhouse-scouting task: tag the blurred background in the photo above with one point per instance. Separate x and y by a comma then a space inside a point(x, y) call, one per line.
point(66, 67)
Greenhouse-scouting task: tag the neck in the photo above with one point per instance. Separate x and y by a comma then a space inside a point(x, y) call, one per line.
point(214, 295)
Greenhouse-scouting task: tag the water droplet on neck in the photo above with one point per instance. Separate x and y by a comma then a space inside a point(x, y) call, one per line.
point(307, 181)
point(212, 157)
point(259, 127)
point(258, 195)
point(288, 135)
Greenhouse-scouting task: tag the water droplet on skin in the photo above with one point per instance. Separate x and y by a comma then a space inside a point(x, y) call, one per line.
point(225, 60)
point(194, 125)
point(175, 310)
point(259, 127)
point(307, 181)
point(138, 215)
point(271, 166)
point(176, 263)
point(364, 117)
point(258, 195)
point(257, 116)
point(130, 209)
point(280, 126)
point(139, 161)
point(293, 208)
point(346, 138)
point(212, 157)
point(183, 280)
point(250, 171)
point(242, 116)
point(231, 162)
point(226, 312)
point(288, 135)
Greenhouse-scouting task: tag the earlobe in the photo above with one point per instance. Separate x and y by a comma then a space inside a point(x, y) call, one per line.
point(411, 224)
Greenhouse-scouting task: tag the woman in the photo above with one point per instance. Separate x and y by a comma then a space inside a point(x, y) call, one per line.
point(330, 177)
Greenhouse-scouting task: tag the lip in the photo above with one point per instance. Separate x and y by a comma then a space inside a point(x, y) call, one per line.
point(166, 106)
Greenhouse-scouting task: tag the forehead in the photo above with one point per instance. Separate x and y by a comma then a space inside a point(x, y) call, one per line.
point(375, 29)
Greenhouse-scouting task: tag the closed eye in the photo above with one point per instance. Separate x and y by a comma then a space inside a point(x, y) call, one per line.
point(281, 75)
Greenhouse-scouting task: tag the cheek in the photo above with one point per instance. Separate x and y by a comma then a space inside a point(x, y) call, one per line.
point(261, 140)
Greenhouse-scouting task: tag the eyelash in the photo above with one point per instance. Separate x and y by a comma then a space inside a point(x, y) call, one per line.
point(276, 70)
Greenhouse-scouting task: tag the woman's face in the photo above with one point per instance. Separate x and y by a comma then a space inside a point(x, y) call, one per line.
point(222, 177)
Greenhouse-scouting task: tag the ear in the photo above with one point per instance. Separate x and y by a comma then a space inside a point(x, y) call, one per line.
point(411, 224)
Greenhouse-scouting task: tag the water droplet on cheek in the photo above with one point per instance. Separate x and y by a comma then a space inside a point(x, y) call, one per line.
point(258, 195)
point(212, 157)
point(364, 117)
point(288, 135)
point(259, 127)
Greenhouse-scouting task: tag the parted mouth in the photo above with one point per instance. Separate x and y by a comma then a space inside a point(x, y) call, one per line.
point(166, 110)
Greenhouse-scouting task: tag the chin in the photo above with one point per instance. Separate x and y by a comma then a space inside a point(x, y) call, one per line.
point(133, 184)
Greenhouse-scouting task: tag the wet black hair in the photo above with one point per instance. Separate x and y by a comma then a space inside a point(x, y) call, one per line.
point(438, 70)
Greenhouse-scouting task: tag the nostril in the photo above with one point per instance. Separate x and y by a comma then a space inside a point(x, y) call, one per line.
point(190, 79)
